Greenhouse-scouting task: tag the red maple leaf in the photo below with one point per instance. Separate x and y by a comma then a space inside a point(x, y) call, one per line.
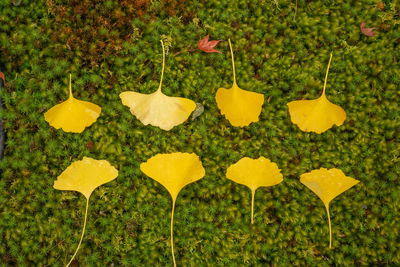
point(208, 46)
point(367, 31)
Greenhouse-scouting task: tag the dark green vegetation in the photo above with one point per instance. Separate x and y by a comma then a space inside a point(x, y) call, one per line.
point(110, 48)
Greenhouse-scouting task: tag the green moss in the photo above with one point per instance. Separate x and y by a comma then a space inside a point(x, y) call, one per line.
point(128, 222)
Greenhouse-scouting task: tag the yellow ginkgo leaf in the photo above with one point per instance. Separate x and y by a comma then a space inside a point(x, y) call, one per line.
point(85, 176)
point(158, 109)
point(72, 115)
point(327, 184)
point(174, 171)
point(317, 115)
point(254, 173)
point(240, 107)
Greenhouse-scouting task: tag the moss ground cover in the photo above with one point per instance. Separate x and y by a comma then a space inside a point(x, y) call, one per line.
point(110, 48)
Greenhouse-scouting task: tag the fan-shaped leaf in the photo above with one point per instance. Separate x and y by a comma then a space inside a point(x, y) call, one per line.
point(85, 176)
point(158, 109)
point(239, 106)
point(327, 184)
point(72, 115)
point(254, 173)
point(174, 171)
point(316, 115)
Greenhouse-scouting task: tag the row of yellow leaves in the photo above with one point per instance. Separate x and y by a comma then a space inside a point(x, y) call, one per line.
point(240, 107)
point(176, 170)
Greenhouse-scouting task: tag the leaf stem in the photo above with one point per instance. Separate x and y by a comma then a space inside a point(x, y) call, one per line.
point(233, 63)
point(163, 64)
point(326, 75)
point(172, 231)
point(330, 229)
point(83, 231)
point(253, 192)
point(70, 87)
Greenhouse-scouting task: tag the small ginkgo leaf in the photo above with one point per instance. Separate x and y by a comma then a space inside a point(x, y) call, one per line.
point(240, 107)
point(317, 115)
point(85, 176)
point(174, 171)
point(72, 115)
point(254, 173)
point(327, 184)
point(158, 109)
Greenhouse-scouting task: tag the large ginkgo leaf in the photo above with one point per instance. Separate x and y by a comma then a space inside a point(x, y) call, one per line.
point(174, 171)
point(327, 184)
point(239, 106)
point(158, 109)
point(72, 115)
point(317, 115)
point(254, 173)
point(85, 176)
